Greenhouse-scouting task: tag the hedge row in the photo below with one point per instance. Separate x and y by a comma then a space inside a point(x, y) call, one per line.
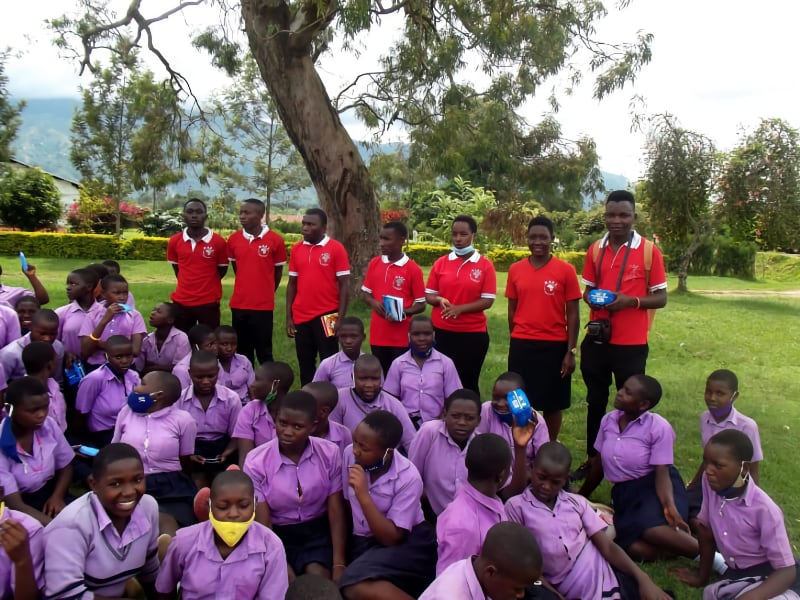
point(103, 247)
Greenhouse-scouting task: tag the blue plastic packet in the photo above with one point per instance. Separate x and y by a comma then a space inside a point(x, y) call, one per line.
point(88, 451)
point(23, 261)
point(75, 373)
point(125, 307)
point(601, 297)
point(519, 406)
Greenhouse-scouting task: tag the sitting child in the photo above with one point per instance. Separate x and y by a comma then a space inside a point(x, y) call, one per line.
point(394, 549)
point(44, 328)
point(201, 337)
point(36, 459)
point(327, 397)
point(581, 560)
point(635, 449)
point(82, 305)
point(741, 521)
point(338, 368)
point(166, 345)
point(236, 370)
point(298, 482)
point(228, 556)
point(22, 558)
point(9, 325)
point(105, 537)
point(164, 436)
point(113, 268)
point(25, 308)
point(40, 361)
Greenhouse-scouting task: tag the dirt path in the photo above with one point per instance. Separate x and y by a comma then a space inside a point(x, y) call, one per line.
point(750, 293)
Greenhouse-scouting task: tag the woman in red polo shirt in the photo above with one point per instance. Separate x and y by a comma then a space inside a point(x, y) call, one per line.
point(461, 287)
point(543, 319)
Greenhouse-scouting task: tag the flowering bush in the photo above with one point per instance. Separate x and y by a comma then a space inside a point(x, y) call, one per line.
point(91, 214)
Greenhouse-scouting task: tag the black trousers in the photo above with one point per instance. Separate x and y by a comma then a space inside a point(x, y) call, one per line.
point(254, 333)
point(187, 317)
point(598, 363)
point(387, 354)
point(309, 341)
point(468, 351)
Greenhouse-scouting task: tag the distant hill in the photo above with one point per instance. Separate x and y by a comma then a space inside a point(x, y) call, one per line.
point(44, 141)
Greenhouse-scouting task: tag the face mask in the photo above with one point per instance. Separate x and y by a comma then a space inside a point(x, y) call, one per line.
point(273, 392)
point(462, 251)
point(419, 354)
point(506, 418)
point(141, 403)
point(8, 441)
point(378, 465)
point(2, 509)
point(734, 490)
point(231, 532)
point(723, 411)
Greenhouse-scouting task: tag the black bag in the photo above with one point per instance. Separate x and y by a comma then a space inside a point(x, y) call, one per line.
point(599, 331)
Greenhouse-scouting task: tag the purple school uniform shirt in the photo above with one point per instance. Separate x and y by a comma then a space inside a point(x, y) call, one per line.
point(161, 437)
point(122, 323)
point(58, 406)
point(422, 390)
point(749, 530)
point(181, 371)
point(255, 569)
point(35, 546)
point(457, 581)
point(220, 418)
point(278, 481)
point(175, 347)
point(462, 526)
point(254, 423)
point(337, 369)
point(239, 377)
point(339, 435)
point(9, 325)
point(11, 357)
point(10, 294)
point(351, 410)
point(440, 463)
point(396, 494)
point(70, 320)
point(646, 443)
point(50, 452)
point(491, 424)
point(735, 420)
point(86, 555)
point(101, 395)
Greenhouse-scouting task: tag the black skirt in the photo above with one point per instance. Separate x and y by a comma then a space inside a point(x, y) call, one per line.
point(307, 543)
point(174, 493)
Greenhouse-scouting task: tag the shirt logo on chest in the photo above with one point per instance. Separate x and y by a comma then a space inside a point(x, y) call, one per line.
point(263, 250)
point(398, 282)
point(208, 251)
point(476, 275)
point(550, 287)
point(325, 259)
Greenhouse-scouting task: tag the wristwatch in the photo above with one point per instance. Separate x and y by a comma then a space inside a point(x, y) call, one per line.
point(573, 351)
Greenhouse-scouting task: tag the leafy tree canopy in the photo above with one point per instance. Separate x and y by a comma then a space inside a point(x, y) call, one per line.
point(29, 199)
point(9, 114)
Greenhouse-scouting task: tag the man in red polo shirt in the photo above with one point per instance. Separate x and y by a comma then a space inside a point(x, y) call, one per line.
point(619, 266)
point(319, 273)
point(199, 258)
point(392, 273)
point(257, 255)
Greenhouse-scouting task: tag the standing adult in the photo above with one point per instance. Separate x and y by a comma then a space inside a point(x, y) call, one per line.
point(543, 319)
point(316, 294)
point(392, 273)
point(257, 255)
point(633, 268)
point(199, 258)
point(461, 286)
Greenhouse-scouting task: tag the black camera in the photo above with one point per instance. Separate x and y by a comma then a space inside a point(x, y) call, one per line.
point(599, 331)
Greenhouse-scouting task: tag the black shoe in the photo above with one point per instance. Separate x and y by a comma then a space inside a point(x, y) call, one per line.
point(581, 472)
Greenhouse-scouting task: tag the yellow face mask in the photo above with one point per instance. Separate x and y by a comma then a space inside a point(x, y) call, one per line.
point(3, 508)
point(231, 532)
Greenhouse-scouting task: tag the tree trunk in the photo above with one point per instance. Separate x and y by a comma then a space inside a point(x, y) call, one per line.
point(331, 157)
point(686, 259)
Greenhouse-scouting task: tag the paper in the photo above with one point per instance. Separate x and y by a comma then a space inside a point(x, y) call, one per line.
point(394, 307)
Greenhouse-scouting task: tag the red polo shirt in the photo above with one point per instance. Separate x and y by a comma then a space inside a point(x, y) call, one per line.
point(198, 277)
point(402, 278)
point(628, 326)
point(256, 258)
point(462, 281)
point(316, 267)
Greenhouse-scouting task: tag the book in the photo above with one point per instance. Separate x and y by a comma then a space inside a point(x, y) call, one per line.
point(394, 307)
point(329, 323)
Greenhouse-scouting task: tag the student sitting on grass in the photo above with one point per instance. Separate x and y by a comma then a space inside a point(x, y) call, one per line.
point(165, 345)
point(113, 268)
point(327, 397)
point(26, 307)
point(236, 370)
point(338, 369)
point(44, 328)
point(82, 305)
point(40, 361)
point(22, 557)
point(201, 337)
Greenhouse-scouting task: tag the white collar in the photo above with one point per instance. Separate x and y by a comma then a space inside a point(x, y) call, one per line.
point(325, 239)
point(250, 238)
point(637, 240)
point(474, 257)
point(206, 238)
point(400, 262)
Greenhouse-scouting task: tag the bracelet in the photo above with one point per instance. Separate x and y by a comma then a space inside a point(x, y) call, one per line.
point(638, 303)
point(339, 565)
point(94, 339)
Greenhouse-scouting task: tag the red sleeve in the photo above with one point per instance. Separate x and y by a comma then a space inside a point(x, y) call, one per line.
point(572, 287)
point(280, 250)
point(658, 276)
point(341, 260)
point(589, 276)
point(433, 276)
point(293, 258)
point(232, 246)
point(417, 283)
point(222, 249)
point(490, 281)
point(368, 276)
point(511, 282)
point(172, 250)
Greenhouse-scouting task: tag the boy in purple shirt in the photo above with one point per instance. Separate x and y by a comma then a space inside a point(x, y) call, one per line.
point(635, 449)
point(105, 537)
point(201, 337)
point(26, 307)
point(9, 325)
point(327, 397)
point(298, 483)
point(10, 294)
point(236, 369)
point(40, 361)
point(422, 377)
point(165, 345)
point(118, 319)
point(82, 304)
point(509, 563)
point(44, 328)
point(338, 369)
point(393, 547)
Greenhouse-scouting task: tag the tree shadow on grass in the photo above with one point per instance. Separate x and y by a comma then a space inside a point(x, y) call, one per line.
point(758, 306)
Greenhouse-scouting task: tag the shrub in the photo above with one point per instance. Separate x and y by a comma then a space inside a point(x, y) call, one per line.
point(147, 248)
point(59, 245)
point(162, 224)
point(29, 199)
point(286, 226)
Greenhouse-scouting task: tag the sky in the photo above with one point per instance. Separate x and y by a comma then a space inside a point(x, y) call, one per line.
point(719, 66)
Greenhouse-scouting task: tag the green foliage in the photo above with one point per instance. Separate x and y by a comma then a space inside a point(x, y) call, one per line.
point(718, 255)
point(29, 200)
point(162, 224)
point(506, 223)
point(99, 247)
point(434, 211)
point(147, 248)
point(93, 213)
point(9, 113)
point(286, 226)
point(778, 267)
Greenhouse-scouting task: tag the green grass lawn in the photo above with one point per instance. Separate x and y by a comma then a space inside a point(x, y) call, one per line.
point(756, 337)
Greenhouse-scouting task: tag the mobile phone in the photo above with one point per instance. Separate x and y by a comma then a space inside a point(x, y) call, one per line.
point(212, 461)
point(23, 261)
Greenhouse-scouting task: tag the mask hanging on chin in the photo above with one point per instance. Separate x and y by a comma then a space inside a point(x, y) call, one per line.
point(230, 532)
point(273, 392)
point(720, 412)
point(462, 251)
point(417, 354)
point(734, 490)
point(378, 465)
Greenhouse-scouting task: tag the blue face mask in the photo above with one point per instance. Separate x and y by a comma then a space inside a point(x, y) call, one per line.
point(141, 402)
point(378, 465)
point(732, 491)
point(419, 354)
point(506, 418)
point(8, 442)
point(720, 412)
point(463, 251)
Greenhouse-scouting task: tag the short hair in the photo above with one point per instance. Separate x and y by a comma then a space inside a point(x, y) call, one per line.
point(542, 221)
point(725, 376)
point(488, 455)
point(367, 361)
point(88, 276)
point(470, 221)
point(112, 264)
point(513, 377)
point(621, 196)
point(167, 383)
point(190, 200)
point(232, 477)
point(45, 316)
point(323, 216)
point(353, 322)
point(324, 392)
point(301, 401)
point(312, 587)
point(226, 330)
point(280, 371)
point(172, 310)
point(420, 319)
point(259, 204)
point(387, 427)
point(652, 389)
point(108, 280)
point(21, 388)
point(202, 358)
point(36, 355)
point(98, 269)
point(117, 340)
point(509, 545)
point(198, 334)
point(25, 299)
point(111, 454)
point(463, 394)
point(737, 442)
point(556, 452)
point(398, 227)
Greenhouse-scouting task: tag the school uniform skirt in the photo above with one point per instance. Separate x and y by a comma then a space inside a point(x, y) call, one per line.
point(174, 493)
point(306, 543)
point(211, 449)
point(637, 507)
point(410, 565)
point(739, 581)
